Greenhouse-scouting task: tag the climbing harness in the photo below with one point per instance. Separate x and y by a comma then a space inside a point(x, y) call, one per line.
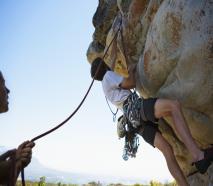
point(113, 113)
point(12, 157)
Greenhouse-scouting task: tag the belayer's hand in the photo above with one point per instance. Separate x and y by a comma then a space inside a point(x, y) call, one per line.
point(24, 154)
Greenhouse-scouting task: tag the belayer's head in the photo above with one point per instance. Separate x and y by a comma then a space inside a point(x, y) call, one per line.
point(98, 69)
point(4, 91)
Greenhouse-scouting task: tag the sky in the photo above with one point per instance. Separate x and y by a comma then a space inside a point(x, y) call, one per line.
point(43, 46)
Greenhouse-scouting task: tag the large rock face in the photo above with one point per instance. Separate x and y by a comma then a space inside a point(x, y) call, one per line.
point(172, 44)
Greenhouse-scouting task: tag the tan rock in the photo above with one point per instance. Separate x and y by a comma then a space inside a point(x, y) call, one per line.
point(171, 43)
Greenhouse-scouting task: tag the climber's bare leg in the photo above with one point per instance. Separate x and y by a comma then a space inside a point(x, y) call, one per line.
point(166, 149)
point(166, 107)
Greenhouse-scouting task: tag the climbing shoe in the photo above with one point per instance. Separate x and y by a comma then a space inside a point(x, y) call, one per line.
point(202, 165)
point(208, 154)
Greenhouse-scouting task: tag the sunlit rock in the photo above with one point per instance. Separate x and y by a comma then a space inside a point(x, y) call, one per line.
point(172, 44)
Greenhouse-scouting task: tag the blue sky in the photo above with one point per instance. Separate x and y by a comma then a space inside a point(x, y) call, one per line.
point(43, 46)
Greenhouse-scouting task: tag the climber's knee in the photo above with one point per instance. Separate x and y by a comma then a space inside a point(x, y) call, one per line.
point(175, 105)
point(166, 107)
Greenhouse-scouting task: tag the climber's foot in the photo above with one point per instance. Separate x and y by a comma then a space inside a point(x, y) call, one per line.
point(208, 154)
point(202, 165)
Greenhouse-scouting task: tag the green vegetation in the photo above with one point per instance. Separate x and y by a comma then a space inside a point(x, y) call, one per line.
point(42, 182)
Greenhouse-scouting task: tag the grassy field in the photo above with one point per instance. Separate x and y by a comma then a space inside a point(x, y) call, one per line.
point(43, 183)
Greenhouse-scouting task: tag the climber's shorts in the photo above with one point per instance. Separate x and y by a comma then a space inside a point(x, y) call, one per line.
point(148, 109)
point(139, 110)
point(148, 132)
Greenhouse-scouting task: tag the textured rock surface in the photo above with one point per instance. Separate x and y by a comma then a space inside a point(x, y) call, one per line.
point(172, 44)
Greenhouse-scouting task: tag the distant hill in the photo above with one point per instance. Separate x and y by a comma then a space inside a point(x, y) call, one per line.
point(36, 170)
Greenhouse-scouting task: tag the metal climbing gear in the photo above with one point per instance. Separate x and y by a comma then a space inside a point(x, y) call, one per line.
point(113, 113)
point(131, 142)
point(125, 129)
point(132, 108)
point(130, 147)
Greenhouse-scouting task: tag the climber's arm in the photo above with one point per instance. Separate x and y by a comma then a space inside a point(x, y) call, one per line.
point(129, 82)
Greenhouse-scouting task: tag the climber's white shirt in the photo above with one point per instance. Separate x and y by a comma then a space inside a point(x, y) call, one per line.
point(112, 91)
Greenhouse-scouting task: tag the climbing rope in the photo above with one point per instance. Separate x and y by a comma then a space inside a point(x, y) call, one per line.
point(125, 56)
point(12, 176)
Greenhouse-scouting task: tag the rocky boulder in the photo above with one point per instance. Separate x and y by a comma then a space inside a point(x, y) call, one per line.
point(171, 42)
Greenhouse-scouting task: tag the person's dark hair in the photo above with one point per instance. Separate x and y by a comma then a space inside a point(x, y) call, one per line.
point(98, 69)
